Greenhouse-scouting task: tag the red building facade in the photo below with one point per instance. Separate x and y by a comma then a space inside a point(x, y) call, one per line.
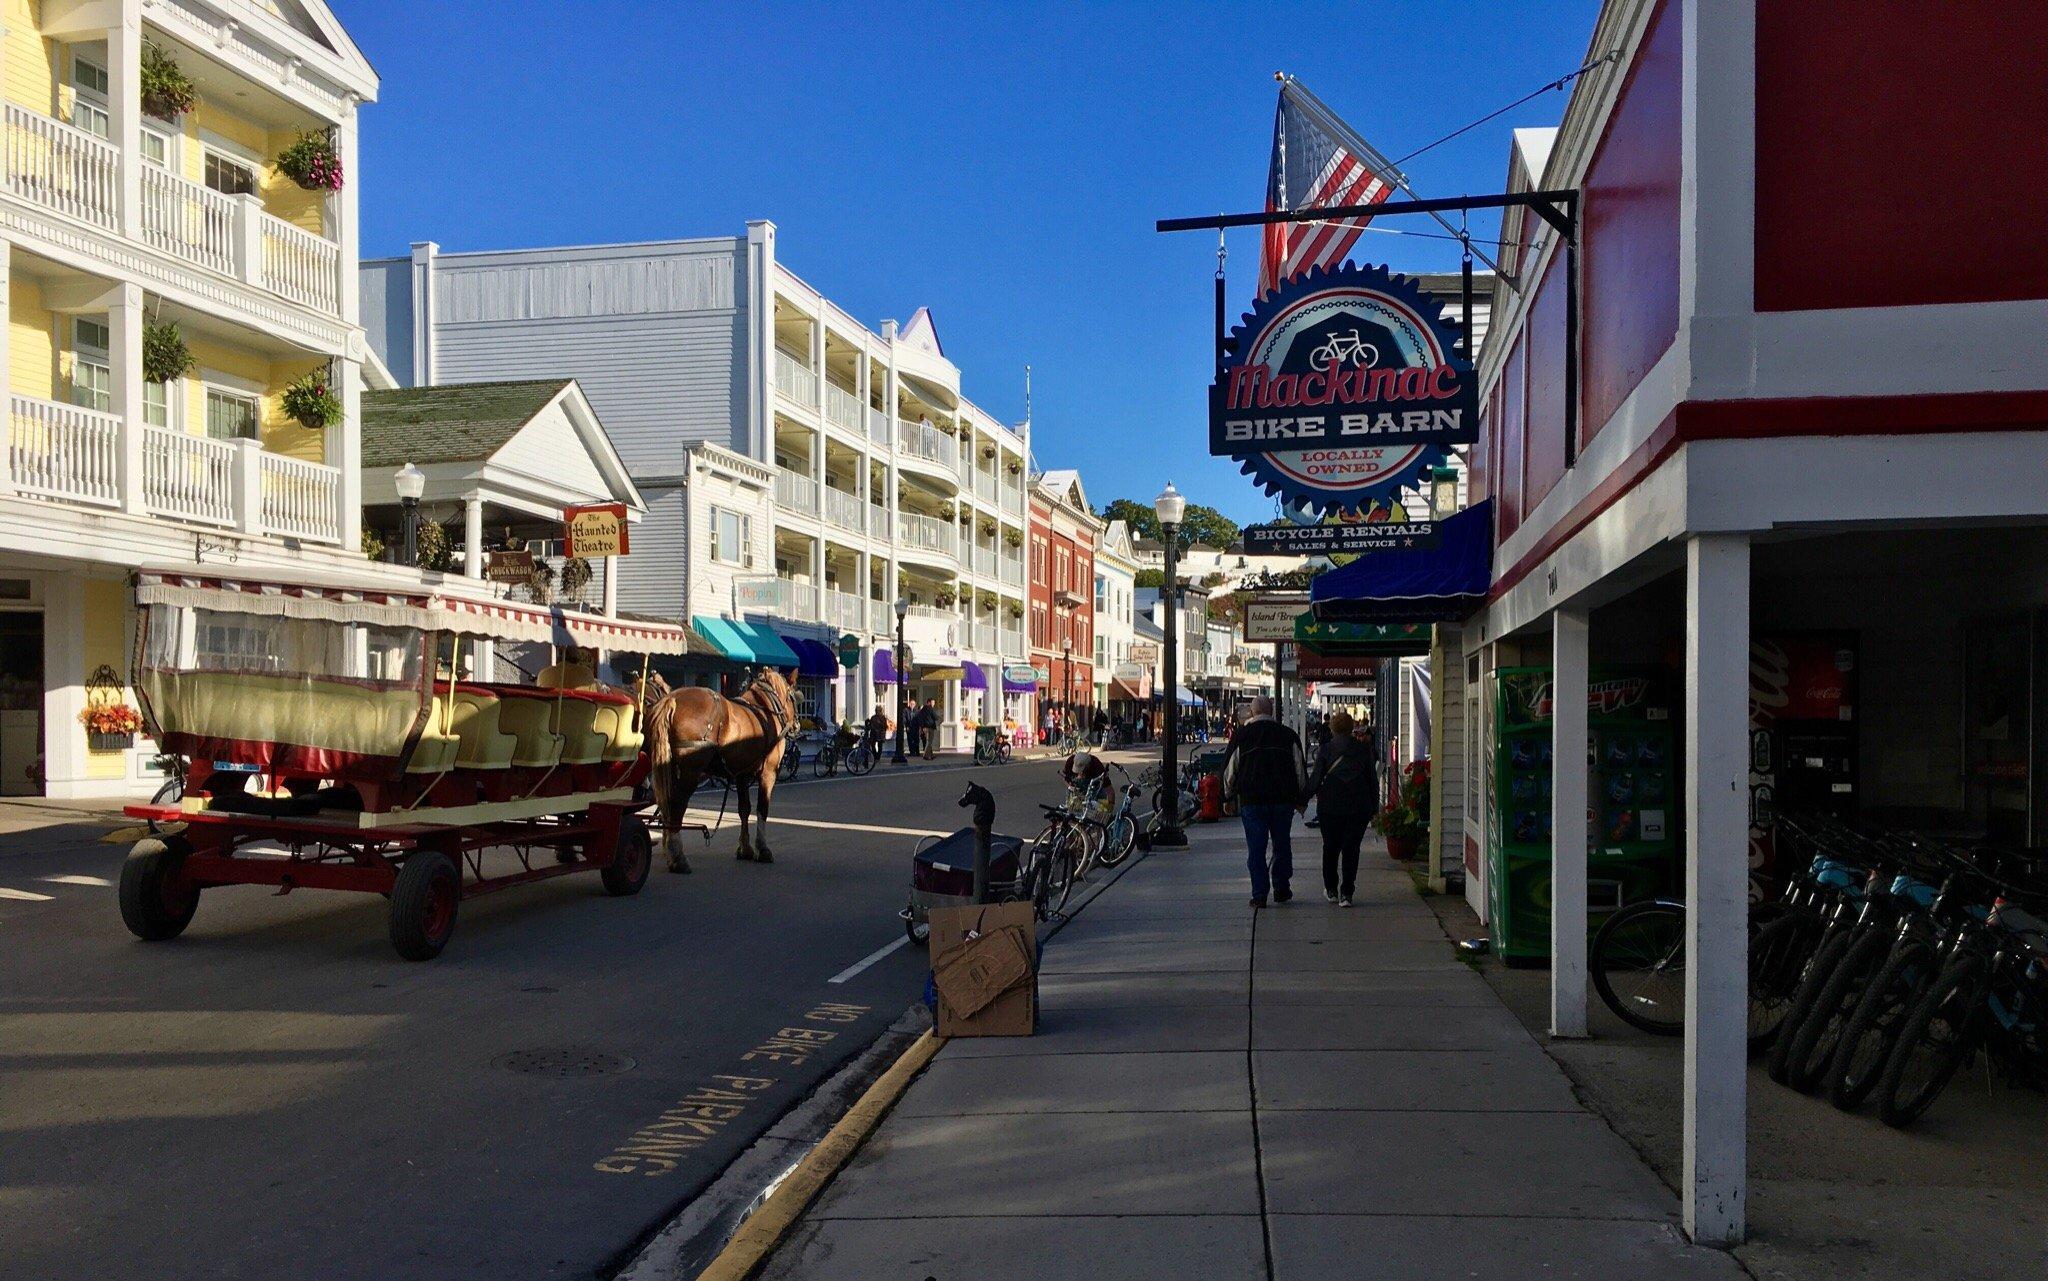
point(1062, 535)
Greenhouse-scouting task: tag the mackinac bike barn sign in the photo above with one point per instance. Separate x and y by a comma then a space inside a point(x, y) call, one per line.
point(1342, 387)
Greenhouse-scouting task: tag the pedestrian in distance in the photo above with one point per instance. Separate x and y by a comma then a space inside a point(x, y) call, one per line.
point(1263, 771)
point(1100, 726)
point(1346, 786)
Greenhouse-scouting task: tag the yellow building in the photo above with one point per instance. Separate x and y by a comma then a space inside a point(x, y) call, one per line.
point(178, 273)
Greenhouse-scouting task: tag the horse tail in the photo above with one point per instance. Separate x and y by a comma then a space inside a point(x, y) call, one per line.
point(655, 732)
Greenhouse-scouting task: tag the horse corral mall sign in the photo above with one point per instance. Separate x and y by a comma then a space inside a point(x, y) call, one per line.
point(1342, 386)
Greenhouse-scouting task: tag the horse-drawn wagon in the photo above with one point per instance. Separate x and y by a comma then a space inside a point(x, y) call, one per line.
point(332, 742)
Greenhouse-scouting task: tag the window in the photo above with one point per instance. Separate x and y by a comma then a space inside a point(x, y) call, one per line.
point(732, 538)
point(228, 175)
point(157, 147)
point(156, 404)
point(92, 373)
point(89, 95)
point(231, 415)
point(1101, 592)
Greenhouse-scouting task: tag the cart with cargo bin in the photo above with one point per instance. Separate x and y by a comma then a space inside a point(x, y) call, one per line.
point(332, 742)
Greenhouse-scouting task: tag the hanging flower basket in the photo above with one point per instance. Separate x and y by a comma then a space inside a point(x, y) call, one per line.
point(167, 92)
point(1013, 537)
point(945, 600)
point(987, 452)
point(110, 726)
point(988, 604)
point(164, 353)
point(311, 161)
point(1016, 610)
point(947, 511)
point(311, 401)
point(1013, 467)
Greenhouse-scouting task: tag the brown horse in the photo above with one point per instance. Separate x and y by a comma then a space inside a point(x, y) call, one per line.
point(694, 734)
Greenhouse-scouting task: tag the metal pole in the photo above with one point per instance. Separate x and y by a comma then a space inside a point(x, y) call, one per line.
point(1169, 833)
point(1471, 348)
point(410, 552)
point(902, 694)
point(1221, 327)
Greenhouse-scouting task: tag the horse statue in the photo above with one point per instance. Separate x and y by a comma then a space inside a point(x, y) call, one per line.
point(694, 734)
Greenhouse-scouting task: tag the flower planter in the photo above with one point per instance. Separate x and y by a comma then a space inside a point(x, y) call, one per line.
point(1402, 847)
point(109, 742)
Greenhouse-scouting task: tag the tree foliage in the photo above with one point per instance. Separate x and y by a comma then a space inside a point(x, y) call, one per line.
point(1149, 578)
point(1200, 524)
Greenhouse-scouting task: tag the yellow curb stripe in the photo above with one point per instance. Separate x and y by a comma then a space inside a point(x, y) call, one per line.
point(765, 1227)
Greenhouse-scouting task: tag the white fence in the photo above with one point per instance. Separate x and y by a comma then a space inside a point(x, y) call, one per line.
point(189, 477)
point(845, 510)
point(58, 167)
point(922, 440)
point(188, 221)
point(795, 491)
point(843, 407)
point(301, 499)
point(62, 451)
point(925, 533)
point(795, 380)
point(300, 265)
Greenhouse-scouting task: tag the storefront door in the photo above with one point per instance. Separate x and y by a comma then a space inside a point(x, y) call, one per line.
point(21, 703)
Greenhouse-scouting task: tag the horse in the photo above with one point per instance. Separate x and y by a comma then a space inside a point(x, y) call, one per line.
point(694, 734)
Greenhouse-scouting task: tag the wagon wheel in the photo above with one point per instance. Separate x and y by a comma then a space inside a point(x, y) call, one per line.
point(157, 902)
point(423, 905)
point(631, 858)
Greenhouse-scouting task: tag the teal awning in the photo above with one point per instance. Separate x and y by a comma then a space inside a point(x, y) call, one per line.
point(745, 642)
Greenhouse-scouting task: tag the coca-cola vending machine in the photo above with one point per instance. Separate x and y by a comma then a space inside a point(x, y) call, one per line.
point(1802, 736)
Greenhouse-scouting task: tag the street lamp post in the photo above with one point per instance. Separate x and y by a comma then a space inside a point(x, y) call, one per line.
point(902, 683)
point(411, 483)
point(1169, 507)
point(1067, 681)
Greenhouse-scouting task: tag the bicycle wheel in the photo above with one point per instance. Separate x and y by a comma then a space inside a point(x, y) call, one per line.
point(1777, 956)
point(792, 761)
point(171, 793)
point(1813, 1046)
point(1069, 857)
point(1817, 973)
point(1003, 751)
point(1873, 1026)
point(1118, 840)
point(860, 760)
point(1934, 1040)
point(1044, 858)
point(1637, 963)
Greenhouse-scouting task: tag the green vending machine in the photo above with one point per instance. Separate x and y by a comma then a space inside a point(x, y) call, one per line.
point(1631, 804)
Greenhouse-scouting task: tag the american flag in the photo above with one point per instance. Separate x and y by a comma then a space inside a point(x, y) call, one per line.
point(1317, 163)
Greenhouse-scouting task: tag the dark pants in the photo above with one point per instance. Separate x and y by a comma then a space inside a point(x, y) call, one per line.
point(1264, 825)
point(1342, 834)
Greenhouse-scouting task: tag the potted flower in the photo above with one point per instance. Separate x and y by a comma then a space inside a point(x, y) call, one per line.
point(164, 353)
point(988, 450)
point(1013, 537)
point(1404, 820)
point(167, 92)
point(110, 725)
point(944, 598)
point(1013, 467)
point(1016, 611)
point(311, 161)
point(311, 400)
point(947, 511)
point(988, 604)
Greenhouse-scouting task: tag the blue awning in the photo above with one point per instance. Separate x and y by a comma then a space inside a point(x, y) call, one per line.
point(812, 657)
point(1437, 584)
point(744, 642)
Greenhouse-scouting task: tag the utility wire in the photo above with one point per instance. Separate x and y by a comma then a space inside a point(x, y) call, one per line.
point(1559, 83)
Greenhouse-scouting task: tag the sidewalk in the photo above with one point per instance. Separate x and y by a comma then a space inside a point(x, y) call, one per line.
point(1302, 1092)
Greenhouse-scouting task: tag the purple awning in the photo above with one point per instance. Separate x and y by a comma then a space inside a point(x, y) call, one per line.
point(885, 667)
point(973, 677)
point(1019, 687)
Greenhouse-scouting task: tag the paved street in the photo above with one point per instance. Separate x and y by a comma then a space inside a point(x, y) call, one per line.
point(277, 1094)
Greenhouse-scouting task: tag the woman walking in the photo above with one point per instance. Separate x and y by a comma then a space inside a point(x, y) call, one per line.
point(1345, 782)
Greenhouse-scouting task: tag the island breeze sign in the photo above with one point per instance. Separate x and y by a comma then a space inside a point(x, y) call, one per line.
point(1342, 387)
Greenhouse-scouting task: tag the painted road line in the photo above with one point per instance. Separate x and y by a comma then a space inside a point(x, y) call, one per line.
point(100, 881)
point(23, 895)
point(732, 819)
point(876, 955)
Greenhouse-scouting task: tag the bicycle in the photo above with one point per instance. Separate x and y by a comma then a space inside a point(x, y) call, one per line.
point(993, 751)
point(792, 758)
point(858, 757)
point(1345, 348)
point(1637, 964)
point(171, 792)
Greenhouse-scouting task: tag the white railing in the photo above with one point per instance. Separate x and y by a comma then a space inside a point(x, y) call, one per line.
point(1013, 643)
point(985, 561)
point(189, 221)
point(799, 600)
point(300, 265)
point(842, 407)
point(878, 521)
point(922, 440)
point(881, 617)
point(63, 451)
point(844, 509)
point(301, 499)
point(935, 613)
point(795, 380)
point(62, 168)
point(878, 425)
point(845, 611)
point(926, 533)
point(795, 491)
point(984, 486)
point(188, 477)
point(984, 637)
point(1013, 571)
point(1013, 495)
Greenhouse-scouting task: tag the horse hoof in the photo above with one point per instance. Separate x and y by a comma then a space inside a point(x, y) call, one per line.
point(743, 856)
point(763, 856)
point(680, 866)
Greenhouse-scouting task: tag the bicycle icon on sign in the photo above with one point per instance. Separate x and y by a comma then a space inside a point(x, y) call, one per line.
point(1345, 349)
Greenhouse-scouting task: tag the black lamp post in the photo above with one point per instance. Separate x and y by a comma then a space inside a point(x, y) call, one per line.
point(411, 483)
point(1067, 676)
point(1169, 507)
point(902, 683)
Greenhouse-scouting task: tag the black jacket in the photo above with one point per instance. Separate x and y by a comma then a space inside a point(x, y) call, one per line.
point(1264, 765)
point(1346, 778)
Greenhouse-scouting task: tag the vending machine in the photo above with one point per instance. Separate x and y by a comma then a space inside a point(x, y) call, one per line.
point(1802, 737)
point(1631, 801)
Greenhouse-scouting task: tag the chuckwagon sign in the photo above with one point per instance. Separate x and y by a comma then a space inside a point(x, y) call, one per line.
point(1341, 387)
point(594, 530)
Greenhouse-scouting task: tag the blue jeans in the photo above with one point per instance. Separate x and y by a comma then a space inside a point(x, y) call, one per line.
point(1264, 824)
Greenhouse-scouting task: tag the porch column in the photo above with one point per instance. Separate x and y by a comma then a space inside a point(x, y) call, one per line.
point(343, 447)
point(473, 536)
point(1713, 1185)
point(1568, 834)
point(342, 210)
point(124, 115)
point(124, 353)
point(609, 568)
point(818, 612)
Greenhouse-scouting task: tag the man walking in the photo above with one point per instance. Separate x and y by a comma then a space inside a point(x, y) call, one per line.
point(1265, 774)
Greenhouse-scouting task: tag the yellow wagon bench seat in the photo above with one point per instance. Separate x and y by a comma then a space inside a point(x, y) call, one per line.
point(254, 717)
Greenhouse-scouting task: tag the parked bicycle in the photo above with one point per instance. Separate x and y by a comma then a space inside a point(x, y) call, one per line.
point(992, 749)
point(855, 753)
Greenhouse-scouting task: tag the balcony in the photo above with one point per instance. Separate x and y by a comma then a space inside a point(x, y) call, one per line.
point(985, 486)
point(1013, 643)
point(795, 380)
point(845, 510)
point(94, 459)
point(881, 617)
point(795, 491)
point(985, 561)
point(843, 407)
point(878, 521)
point(845, 611)
point(68, 171)
point(922, 440)
point(799, 601)
point(983, 637)
point(926, 533)
point(878, 426)
point(1013, 571)
point(1013, 496)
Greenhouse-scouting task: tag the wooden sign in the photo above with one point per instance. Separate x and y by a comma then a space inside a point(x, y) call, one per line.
point(508, 566)
point(595, 530)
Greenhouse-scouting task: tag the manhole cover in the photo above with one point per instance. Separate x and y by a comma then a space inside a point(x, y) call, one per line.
point(564, 1063)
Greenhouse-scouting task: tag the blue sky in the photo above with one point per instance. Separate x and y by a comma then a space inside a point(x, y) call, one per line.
point(999, 163)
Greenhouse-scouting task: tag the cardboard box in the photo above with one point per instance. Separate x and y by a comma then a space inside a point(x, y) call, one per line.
point(985, 967)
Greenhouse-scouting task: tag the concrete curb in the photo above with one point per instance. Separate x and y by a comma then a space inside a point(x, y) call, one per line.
point(765, 1228)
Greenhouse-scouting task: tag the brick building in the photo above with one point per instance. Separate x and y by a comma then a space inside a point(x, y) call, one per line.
point(1063, 533)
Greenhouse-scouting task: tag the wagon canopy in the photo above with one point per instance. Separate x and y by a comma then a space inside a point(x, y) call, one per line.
point(433, 609)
